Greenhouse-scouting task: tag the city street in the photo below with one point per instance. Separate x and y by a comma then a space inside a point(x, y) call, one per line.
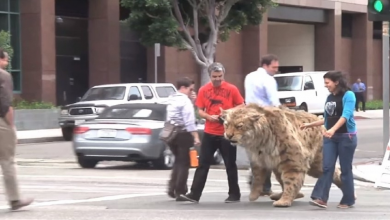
point(118, 191)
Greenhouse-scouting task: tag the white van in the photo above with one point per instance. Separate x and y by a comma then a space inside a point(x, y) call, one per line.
point(303, 90)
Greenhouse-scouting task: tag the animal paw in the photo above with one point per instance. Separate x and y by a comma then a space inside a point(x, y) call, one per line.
point(277, 196)
point(253, 196)
point(282, 203)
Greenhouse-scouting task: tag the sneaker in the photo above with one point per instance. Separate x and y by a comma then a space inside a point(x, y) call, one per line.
point(187, 198)
point(15, 205)
point(318, 203)
point(232, 199)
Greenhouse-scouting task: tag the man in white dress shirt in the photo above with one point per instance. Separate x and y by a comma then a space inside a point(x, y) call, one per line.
point(261, 88)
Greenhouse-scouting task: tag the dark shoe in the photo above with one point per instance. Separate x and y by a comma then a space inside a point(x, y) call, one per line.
point(232, 199)
point(15, 205)
point(187, 198)
point(318, 203)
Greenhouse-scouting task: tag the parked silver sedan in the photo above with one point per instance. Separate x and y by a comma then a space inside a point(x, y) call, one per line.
point(125, 132)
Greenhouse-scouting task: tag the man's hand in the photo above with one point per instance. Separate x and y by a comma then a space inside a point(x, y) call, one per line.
point(196, 142)
point(213, 118)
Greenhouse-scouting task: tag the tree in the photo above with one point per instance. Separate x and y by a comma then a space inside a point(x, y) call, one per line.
point(5, 44)
point(194, 25)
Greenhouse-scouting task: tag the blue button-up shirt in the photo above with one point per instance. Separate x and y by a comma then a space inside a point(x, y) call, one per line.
point(358, 87)
point(261, 88)
point(181, 110)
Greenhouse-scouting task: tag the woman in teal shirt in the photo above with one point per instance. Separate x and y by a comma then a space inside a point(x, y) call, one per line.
point(339, 141)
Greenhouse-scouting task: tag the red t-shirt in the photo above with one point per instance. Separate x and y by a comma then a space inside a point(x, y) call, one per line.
point(211, 98)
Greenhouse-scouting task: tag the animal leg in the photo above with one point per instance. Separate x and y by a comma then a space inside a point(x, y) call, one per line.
point(292, 177)
point(277, 196)
point(259, 173)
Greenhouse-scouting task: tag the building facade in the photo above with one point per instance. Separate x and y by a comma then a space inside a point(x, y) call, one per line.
point(63, 47)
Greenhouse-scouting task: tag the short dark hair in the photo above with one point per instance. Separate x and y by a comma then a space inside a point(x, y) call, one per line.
point(338, 76)
point(2, 53)
point(185, 81)
point(267, 59)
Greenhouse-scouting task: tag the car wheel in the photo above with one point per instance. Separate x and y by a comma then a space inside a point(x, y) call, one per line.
point(217, 158)
point(87, 162)
point(67, 133)
point(166, 160)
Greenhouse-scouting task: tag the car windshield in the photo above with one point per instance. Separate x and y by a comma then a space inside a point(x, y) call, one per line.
point(105, 93)
point(133, 113)
point(289, 83)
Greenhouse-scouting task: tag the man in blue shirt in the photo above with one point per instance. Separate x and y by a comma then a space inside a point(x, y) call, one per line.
point(261, 88)
point(359, 89)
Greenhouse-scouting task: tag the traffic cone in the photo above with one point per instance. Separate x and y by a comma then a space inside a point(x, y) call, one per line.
point(194, 157)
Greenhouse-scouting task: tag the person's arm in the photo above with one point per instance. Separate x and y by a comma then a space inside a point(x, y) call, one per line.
point(363, 87)
point(271, 89)
point(238, 100)
point(188, 114)
point(201, 106)
point(349, 101)
point(316, 123)
point(6, 103)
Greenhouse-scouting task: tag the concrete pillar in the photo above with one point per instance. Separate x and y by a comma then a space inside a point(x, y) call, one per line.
point(104, 41)
point(361, 54)
point(254, 45)
point(38, 50)
point(328, 41)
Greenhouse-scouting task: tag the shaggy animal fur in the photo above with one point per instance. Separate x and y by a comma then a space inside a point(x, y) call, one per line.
point(275, 142)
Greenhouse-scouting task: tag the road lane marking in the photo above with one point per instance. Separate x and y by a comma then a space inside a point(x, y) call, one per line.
point(115, 197)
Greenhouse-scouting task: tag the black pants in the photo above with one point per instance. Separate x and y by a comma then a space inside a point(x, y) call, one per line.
point(180, 148)
point(360, 98)
point(210, 143)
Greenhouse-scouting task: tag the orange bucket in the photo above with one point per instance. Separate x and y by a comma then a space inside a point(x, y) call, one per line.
point(194, 157)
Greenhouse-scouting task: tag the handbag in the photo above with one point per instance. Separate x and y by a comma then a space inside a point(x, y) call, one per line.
point(169, 132)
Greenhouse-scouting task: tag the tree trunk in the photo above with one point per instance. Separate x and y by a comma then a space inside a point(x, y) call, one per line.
point(204, 76)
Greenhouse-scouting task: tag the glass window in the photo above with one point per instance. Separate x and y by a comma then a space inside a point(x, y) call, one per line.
point(289, 83)
point(105, 93)
point(309, 85)
point(134, 91)
point(14, 5)
point(4, 22)
point(4, 4)
point(164, 91)
point(10, 22)
point(15, 41)
point(147, 92)
point(16, 80)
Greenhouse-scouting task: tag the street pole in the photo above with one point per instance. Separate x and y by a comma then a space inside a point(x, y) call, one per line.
point(385, 81)
point(156, 54)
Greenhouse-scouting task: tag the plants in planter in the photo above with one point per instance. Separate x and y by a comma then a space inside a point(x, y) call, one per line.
point(5, 43)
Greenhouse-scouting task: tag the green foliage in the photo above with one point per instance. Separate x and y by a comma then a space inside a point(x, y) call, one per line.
point(22, 104)
point(5, 43)
point(373, 105)
point(155, 21)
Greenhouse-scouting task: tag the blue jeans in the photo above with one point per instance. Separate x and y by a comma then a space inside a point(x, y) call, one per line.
point(342, 146)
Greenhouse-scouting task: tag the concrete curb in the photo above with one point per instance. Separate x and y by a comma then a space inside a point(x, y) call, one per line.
point(40, 140)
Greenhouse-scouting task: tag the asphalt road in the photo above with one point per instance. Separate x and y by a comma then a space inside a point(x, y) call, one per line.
point(369, 146)
point(65, 192)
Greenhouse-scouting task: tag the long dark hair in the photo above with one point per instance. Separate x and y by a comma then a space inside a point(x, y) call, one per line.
point(337, 76)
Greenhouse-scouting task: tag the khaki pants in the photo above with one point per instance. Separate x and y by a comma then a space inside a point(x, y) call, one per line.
point(7, 160)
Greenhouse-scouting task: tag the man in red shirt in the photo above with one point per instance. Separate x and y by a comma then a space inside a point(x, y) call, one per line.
point(211, 97)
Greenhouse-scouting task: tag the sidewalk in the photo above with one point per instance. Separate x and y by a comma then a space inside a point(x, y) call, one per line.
point(370, 114)
point(38, 136)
